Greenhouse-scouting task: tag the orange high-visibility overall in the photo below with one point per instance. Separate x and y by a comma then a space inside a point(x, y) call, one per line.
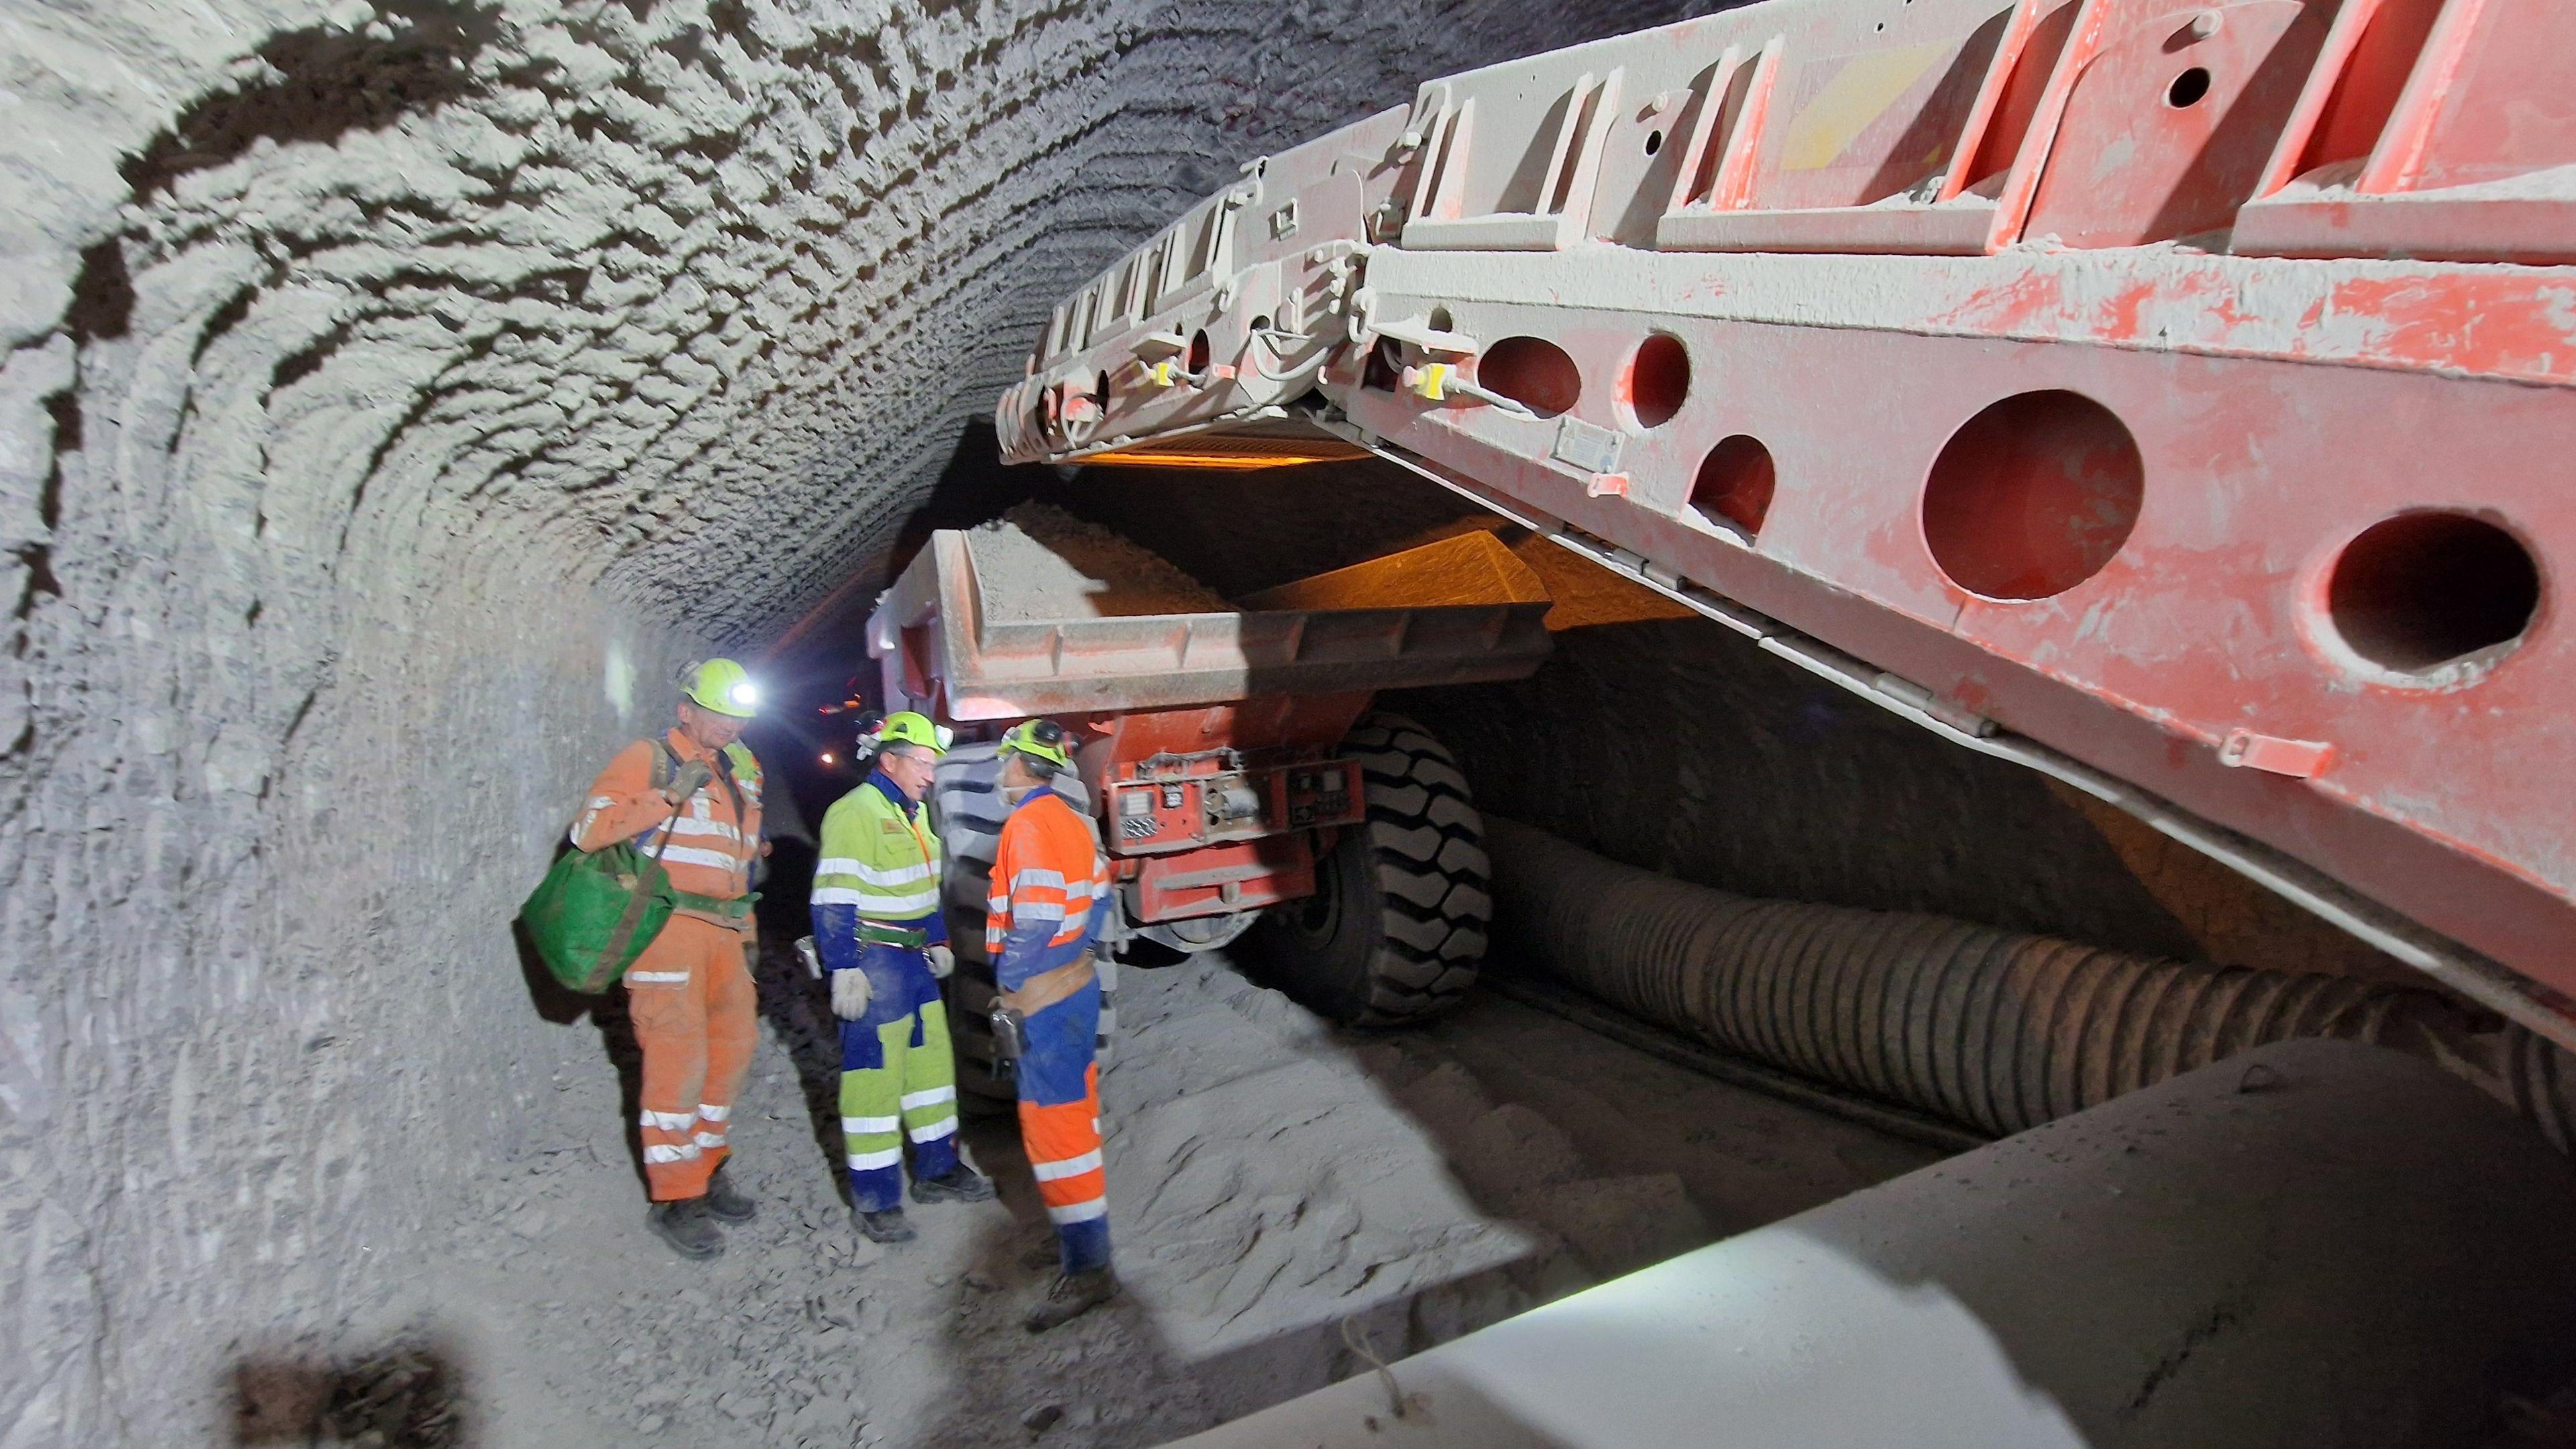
point(1044, 909)
point(690, 992)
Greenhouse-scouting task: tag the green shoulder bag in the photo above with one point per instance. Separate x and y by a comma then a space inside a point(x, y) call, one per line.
point(596, 911)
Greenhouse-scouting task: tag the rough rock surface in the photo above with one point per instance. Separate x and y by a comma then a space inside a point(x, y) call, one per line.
point(1040, 562)
point(1702, 757)
point(391, 393)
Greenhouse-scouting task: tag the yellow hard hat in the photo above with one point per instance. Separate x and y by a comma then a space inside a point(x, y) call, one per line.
point(904, 727)
point(1043, 738)
point(723, 686)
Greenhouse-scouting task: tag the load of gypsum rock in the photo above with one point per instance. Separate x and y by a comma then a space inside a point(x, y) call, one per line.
point(1038, 562)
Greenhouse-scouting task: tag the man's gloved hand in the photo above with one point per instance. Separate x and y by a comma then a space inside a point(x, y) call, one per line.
point(850, 993)
point(942, 961)
point(694, 776)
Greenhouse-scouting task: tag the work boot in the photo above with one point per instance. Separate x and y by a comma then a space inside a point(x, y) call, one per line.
point(884, 1227)
point(958, 1184)
point(1069, 1297)
point(728, 1205)
point(687, 1227)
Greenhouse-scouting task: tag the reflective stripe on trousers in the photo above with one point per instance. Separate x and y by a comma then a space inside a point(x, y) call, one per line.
point(692, 1002)
point(898, 1081)
point(1060, 1126)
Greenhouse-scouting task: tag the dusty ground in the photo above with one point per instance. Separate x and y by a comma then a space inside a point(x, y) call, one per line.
point(1268, 1178)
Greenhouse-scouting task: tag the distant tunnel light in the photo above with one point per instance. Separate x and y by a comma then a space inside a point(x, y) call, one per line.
point(827, 758)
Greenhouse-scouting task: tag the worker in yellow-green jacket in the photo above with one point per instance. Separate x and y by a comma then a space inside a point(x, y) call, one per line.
point(880, 934)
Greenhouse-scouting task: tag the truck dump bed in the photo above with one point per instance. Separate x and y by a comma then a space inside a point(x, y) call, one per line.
point(937, 643)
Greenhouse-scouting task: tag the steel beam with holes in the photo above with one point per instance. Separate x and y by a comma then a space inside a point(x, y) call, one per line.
point(2180, 390)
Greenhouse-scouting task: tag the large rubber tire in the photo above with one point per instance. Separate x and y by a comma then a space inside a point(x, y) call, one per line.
point(1397, 926)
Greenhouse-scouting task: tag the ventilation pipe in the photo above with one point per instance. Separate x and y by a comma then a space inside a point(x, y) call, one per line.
point(1991, 1029)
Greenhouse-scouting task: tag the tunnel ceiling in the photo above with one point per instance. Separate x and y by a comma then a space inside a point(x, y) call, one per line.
point(691, 294)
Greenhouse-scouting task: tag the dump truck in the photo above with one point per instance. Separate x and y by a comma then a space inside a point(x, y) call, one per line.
point(2171, 398)
point(1246, 793)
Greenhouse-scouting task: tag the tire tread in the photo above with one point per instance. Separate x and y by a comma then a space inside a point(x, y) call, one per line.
point(1429, 877)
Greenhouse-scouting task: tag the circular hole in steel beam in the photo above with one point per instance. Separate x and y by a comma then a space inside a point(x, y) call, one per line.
point(1658, 379)
point(1734, 483)
point(2420, 592)
point(1531, 371)
point(2188, 89)
point(2033, 496)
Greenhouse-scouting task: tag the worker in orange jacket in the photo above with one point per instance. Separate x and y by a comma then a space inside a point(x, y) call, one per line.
point(693, 797)
point(1043, 911)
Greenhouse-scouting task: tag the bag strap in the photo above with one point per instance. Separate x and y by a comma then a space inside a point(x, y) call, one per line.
point(733, 787)
point(666, 766)
point(647, 881)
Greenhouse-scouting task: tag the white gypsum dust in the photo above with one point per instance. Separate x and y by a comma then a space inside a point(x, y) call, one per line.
point(1269, 1178)
point(1040, 562)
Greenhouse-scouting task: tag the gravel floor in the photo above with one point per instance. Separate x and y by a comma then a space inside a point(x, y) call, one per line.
point(1269, 1180)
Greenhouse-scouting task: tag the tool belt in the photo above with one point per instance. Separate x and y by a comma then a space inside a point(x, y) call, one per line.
point(711, 909)
point(1048, 987)
point(879, 933)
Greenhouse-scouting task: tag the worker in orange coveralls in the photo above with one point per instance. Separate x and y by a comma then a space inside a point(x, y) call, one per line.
point(1042, 914)
point(690, 993)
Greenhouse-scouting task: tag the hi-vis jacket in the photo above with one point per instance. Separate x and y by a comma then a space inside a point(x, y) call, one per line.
point(881, 856)
point(1049, 888)
point(714, 836)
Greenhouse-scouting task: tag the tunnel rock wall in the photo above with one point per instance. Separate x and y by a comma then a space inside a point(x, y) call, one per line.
point(391, 394)
point(1678, 746)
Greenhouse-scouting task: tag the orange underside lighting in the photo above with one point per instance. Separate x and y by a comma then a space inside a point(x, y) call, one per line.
point(1231, 452)
point(1229, 461)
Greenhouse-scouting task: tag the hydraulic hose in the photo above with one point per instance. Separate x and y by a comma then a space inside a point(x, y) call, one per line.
point(1991, 1029)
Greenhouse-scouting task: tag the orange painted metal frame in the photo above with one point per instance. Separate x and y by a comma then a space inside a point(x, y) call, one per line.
point(2303, 252)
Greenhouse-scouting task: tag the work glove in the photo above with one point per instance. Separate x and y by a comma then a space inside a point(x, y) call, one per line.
point(942, 961)
point(694, 776)
point(850, 993)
